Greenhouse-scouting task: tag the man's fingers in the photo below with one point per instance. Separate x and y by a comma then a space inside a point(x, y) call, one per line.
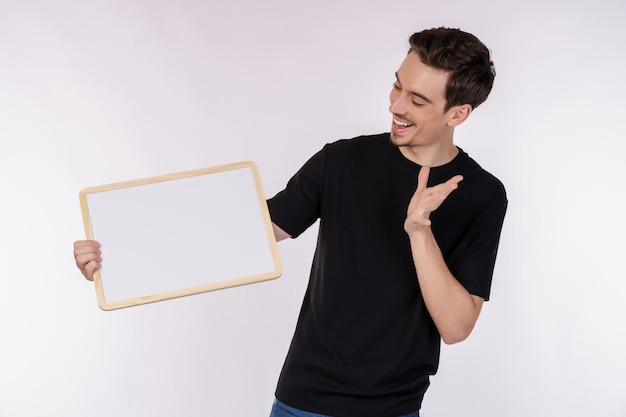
point(84, 258)
point(422, 178)
point(455, 180)
point(442, 191)
point(90, 269)
point(451, 185)
point(83, 247)
point(430, 198)
point(87, 257)
point(86, 245)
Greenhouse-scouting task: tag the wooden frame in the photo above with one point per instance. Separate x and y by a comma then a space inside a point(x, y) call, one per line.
point(180, 234)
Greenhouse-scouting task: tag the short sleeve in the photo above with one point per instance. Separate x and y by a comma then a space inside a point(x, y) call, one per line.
point(297, 207)
point(475, 271)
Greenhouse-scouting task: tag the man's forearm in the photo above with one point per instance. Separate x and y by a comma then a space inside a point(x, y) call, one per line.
point(453, 309)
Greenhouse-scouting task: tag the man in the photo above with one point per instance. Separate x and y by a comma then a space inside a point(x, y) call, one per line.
point(408, 235)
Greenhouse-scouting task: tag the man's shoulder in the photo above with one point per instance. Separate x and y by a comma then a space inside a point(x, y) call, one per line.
point(474, 173)
point(366, 148)
point(360, 142)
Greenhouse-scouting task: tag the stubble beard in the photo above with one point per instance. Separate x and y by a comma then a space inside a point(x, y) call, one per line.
point(397, 140)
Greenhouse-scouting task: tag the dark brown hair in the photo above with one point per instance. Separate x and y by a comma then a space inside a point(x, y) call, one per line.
point(463, 55)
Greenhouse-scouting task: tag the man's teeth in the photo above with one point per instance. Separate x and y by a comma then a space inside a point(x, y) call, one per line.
point(402, 124)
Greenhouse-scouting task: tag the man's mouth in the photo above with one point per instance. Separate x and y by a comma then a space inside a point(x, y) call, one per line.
point(401, 125)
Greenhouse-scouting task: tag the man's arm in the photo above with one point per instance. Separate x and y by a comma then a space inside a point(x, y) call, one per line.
point(453, 309)
point(279, 233)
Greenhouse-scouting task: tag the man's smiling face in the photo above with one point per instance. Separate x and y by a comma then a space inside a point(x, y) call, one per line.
point(417, 105)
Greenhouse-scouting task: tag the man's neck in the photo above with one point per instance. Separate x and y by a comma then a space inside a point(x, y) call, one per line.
point(430, 156)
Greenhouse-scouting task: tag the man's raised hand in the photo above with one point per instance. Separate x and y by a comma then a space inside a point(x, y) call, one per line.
point(427, 199)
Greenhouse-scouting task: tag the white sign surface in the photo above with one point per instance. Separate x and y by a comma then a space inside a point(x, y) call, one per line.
point(180, 234)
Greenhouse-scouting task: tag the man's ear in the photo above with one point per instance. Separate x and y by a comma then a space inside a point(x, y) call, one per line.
point(458, 114)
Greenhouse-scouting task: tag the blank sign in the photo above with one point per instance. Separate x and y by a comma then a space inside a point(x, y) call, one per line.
point(180, 234)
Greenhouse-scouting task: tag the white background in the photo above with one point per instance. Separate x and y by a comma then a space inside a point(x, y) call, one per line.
point(94, 92)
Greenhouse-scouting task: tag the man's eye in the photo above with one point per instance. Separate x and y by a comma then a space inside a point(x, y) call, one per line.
point(417, 104)
point(396, 86)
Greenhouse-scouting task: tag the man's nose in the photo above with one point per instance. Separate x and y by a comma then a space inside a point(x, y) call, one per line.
point(398, 105)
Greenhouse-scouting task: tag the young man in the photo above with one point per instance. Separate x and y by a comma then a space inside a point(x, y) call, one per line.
point(408, 235)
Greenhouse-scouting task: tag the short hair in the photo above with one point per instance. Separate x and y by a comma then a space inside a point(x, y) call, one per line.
point(463, 55)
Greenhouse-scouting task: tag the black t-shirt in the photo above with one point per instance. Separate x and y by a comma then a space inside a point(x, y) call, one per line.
point(365, 345)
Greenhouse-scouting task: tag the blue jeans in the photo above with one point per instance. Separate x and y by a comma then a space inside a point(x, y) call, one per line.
point(282, 410)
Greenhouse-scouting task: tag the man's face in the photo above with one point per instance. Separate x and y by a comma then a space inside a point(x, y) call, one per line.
point(417, 105)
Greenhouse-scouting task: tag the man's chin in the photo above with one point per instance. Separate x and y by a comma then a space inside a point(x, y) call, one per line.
point(397, 140)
